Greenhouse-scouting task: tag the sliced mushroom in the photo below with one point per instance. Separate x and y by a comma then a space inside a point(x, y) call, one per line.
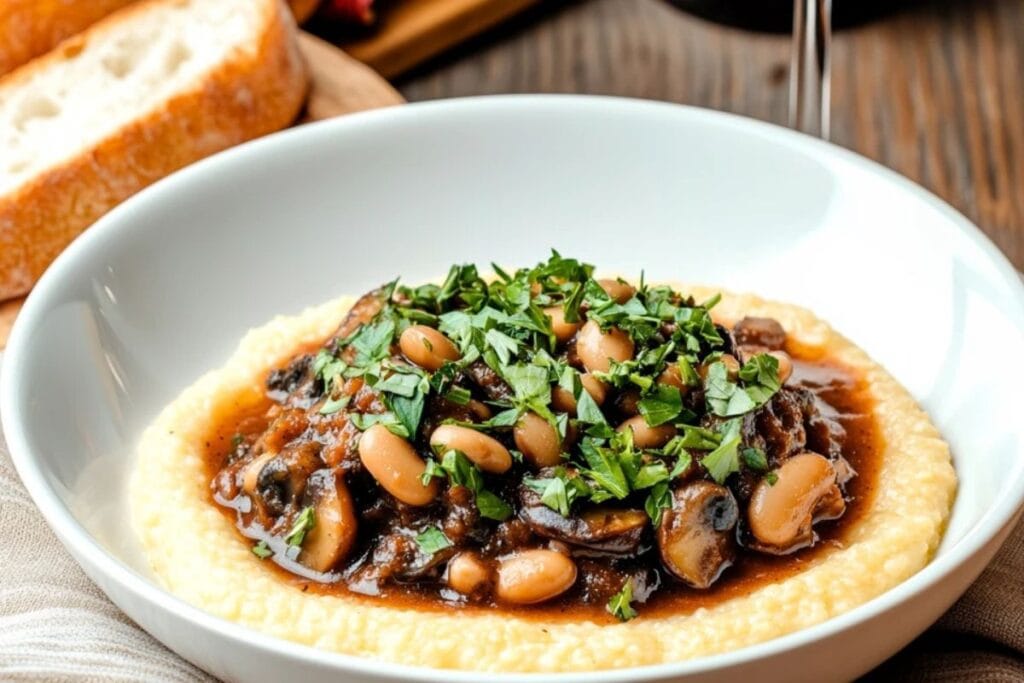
point(784, 509)
point(334, 532)
point(361, 313)
point(251, 473)
point(696, 534)
point(280, 480)
point(420, 565)
point(603, 528)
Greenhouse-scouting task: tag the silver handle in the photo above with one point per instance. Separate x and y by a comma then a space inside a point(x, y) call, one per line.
point(809, 70)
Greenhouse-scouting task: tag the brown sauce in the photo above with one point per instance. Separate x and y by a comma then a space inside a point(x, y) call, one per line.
point(843, 397)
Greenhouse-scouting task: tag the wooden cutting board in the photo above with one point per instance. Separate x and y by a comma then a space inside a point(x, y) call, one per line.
point(340, 85)
point(412, 31)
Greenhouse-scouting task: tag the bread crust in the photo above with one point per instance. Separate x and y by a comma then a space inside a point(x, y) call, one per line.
point(253, 92)
point(29, 28)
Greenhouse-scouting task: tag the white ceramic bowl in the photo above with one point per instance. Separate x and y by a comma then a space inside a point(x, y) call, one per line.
point(163, 287)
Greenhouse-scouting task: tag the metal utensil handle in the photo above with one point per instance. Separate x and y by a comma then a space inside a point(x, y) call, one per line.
point(809, 70)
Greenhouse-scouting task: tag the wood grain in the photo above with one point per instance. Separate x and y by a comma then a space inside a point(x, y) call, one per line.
point(412, 31)
point(340, 85)
point(932, 90)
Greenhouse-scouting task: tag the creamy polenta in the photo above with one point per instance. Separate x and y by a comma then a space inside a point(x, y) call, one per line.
point(195, 551)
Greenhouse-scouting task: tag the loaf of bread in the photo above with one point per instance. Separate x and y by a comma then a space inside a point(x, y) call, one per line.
point(152, 87)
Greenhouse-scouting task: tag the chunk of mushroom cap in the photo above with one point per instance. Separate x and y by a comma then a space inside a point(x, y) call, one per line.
point(276, 481)
point(696, 537)
point(603, 528)
point(781, 515)
point(332, 536)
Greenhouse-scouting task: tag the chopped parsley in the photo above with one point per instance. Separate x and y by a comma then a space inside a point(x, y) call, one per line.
point(754, 458)
point(333, 405)
point(461, 471)
point(724, 460)
point(619, 606)
point(560, 491)
point(510, 360)
point(432, 540)
point(760, 377)
point(662, 405)
point(304, 523)
point(658, 500)
point(262, 550)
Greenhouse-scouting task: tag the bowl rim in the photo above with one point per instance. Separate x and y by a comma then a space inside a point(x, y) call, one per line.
point(997, 518)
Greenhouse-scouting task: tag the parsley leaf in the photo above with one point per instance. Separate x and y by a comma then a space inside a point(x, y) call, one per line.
point(504, 346)
point(432, 540)
point(587, 410)
point(373, 342)
point(401, 383)
point(649, 475)
point(724, 397)
point(302, 525)
point(761, 375)
point(333, 405)
point(364, 421)
point(658, 500)
point(491, 506)
point(262, 550)
point(605, 469)
point(619, 606)
point(724, 460)
point(662, 405)
point(327, 368)
point(462, 472)
point(459, 395)
point(529, 382)
point(408, 411)
point(754, 458)
point(555, 496)
point(697, 438)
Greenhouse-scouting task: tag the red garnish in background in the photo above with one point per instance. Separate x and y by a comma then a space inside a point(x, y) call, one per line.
point(360, 11)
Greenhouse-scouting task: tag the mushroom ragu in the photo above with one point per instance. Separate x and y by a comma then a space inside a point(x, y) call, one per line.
point(545, 439)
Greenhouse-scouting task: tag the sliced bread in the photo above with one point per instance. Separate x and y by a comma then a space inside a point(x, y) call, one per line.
point(151, 88)
point(29, 28)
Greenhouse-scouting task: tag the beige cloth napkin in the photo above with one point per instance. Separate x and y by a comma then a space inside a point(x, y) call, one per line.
point(55, 625)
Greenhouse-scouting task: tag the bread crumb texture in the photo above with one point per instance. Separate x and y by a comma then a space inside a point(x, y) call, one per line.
point(196, 554)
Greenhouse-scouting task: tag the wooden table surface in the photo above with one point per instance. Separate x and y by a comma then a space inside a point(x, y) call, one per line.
point(933, 90)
